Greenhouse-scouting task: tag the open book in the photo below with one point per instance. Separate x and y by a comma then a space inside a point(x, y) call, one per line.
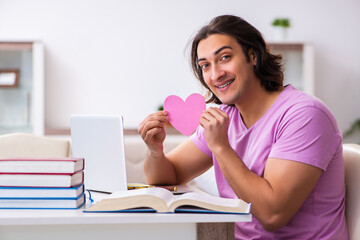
point(163, 201)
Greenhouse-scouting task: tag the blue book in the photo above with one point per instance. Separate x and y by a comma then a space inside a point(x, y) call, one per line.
point(42, 203)
point(40, 192)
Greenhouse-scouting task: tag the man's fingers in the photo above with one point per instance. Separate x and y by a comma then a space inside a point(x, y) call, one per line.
point(161, 116)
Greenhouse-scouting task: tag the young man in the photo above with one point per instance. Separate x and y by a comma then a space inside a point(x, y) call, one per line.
point(270, 145)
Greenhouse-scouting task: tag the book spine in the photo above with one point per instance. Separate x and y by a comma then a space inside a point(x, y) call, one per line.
point(42, 188)
point(41, 193)
point(33, 181)
point(81, 204)
point(21, 173)
point(7, 164)
point(44, 198)
point(41, 159)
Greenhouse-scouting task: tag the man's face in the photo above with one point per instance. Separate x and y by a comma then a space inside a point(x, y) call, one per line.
point(225, 68)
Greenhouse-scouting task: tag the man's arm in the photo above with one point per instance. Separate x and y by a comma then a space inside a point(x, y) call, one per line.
point(278, 195)
point(180, 165)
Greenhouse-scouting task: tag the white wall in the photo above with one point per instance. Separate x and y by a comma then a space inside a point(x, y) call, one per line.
point(125, 57)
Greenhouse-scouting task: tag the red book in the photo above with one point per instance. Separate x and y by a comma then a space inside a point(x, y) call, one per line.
point(41, 165)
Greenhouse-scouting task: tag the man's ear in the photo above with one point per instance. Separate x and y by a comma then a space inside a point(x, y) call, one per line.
point(252, 57)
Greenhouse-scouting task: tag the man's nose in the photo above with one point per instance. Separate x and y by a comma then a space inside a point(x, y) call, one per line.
point(216, 72)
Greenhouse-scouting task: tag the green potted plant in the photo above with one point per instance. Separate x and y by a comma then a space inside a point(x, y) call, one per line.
point(355, 127)
point(281, 22)
point(167, 123)
point(160, 107)
point(281, 25)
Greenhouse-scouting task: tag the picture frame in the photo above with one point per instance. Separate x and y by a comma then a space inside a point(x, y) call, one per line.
point(9, 78)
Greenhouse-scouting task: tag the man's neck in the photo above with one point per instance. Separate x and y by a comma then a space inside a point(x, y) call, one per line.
point(257, 104)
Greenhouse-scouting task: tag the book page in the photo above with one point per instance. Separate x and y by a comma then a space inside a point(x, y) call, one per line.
point(154, 198)
point(207, 201)
point(164, 194)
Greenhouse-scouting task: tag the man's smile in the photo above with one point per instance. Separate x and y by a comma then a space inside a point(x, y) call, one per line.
point(225, 84)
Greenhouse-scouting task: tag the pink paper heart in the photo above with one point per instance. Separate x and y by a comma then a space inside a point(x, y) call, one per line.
point(185, 116)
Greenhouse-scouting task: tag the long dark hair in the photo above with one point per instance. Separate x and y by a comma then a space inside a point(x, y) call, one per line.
point(268, 67)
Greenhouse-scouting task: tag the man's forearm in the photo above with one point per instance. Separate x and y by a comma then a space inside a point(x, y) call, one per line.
point(278, 195)
point(159, 170)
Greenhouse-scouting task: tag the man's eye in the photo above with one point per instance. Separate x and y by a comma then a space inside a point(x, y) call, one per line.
point(225, 57)
point(204, 66)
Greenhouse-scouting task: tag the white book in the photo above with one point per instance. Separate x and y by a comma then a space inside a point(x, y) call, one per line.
point(41, 180)
point(41, 165)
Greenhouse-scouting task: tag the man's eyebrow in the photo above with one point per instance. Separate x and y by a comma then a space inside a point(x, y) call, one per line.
point(216, 52)
point(222, 48)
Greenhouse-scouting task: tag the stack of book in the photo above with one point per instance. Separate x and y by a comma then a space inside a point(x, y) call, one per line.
point(42, 183)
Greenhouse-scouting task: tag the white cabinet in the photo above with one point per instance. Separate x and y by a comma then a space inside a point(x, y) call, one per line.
point(298, 61)
point(22, 106)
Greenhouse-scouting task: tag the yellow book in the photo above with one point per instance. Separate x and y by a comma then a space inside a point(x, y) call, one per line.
point(161, 200)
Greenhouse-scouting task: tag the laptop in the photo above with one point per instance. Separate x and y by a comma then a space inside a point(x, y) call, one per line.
point(99, 140)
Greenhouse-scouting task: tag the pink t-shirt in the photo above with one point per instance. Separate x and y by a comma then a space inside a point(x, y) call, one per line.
point(300, 128)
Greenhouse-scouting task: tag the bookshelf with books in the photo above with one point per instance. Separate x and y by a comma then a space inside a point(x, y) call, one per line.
point(42, 183)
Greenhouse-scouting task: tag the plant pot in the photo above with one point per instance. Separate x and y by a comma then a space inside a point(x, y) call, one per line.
point(280, 33)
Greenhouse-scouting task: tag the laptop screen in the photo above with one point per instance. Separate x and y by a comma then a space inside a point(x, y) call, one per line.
point(99, 140)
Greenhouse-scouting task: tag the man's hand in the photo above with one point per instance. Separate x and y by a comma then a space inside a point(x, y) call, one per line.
point(215, 123)
point(152, 131)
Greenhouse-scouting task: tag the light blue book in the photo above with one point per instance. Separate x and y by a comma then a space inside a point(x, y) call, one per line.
point(40, 192)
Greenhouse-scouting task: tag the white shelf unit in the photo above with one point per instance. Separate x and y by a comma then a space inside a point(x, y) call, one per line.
point(22, 107)
point(298, 61)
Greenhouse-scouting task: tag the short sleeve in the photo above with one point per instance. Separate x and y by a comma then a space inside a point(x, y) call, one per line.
point(198, 138)
point(307, 135)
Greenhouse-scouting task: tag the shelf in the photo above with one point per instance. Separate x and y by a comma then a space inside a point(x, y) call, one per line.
point(15, 46)
point(22, 106)
point(298, 61)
